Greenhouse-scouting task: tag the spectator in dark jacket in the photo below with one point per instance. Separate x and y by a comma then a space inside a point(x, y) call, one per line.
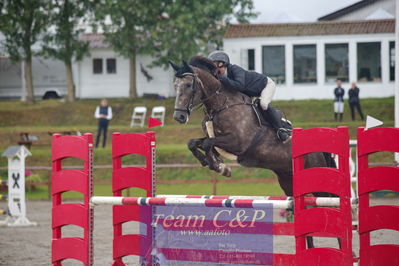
point(252, 84)
point(104, 114)
point(339, 93)
point(354, 101)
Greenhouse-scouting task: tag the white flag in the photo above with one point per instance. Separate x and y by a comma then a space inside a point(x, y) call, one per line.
point(372, 122)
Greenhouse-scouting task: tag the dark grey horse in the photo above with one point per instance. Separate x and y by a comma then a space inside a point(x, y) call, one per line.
point(236, 126)
point(237, 129)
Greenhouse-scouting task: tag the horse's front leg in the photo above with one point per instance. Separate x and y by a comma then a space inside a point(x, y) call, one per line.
point(215, 163)
point(193, 146)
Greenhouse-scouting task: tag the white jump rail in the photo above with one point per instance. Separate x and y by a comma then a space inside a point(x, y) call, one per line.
point(233, 201)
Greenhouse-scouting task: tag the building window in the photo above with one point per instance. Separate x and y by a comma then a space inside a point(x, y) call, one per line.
point(369, 62)
point(273, 62)
point(97, 65)
point(305, 64)
point(111, 65)
point(248, 59)
point(251, 59)
point(337, 62)
point(392, 61)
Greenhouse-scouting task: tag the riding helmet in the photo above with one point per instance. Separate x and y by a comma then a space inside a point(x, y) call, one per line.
point(219, 56)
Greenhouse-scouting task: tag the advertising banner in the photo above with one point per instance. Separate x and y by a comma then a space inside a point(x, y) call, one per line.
point(212, 236)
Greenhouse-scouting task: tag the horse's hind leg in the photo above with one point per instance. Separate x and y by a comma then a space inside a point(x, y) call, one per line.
point(285, 181)
point(214, 162)
point(193, 146)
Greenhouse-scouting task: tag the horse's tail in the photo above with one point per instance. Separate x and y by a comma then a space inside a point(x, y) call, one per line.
point(329, 160)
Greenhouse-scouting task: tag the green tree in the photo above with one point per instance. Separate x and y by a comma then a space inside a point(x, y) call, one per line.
point(64, 44)
point(22, 22)
point(127, 25)
point(190, 27)
point(167, 29)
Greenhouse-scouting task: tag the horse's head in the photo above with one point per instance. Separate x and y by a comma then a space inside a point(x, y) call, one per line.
point(188, 91)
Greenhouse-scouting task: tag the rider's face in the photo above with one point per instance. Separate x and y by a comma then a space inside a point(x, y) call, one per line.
point(221, 67)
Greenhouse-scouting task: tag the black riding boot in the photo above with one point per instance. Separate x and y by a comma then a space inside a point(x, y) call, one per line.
point(273, 118)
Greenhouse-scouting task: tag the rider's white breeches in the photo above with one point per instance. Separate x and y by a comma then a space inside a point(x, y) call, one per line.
point(338, 107)
point(267, 93)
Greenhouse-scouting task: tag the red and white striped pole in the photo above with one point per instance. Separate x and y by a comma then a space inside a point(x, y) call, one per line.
point(215, 201)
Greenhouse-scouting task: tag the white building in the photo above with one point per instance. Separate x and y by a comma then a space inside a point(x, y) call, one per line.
point(106, 74)
point(305, 59)
point(356, 43)
point(364, 10)
point(103, 74)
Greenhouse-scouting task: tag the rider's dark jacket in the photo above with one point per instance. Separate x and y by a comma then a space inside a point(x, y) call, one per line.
point(248, 82)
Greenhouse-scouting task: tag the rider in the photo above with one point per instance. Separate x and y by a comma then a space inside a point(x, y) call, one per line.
point(252, 84)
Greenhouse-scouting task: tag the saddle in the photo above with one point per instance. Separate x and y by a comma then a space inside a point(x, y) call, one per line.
point(263, 121)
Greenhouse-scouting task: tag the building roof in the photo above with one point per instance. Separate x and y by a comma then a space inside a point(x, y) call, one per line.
point(346, 10)
point(313, 28)
point(96, 40)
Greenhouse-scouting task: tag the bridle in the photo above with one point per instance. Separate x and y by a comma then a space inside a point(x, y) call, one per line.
point(190, 103)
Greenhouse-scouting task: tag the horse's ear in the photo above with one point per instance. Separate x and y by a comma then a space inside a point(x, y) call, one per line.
point(175, 67)
point(187, 66)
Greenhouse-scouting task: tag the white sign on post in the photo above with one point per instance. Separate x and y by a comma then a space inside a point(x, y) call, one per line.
point(16, 186)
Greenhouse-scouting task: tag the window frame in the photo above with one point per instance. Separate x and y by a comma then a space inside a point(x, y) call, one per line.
point(251, 59)
point(107, 65)
point(391, 56)
point(380, 63)
point(293, 63)
point(347, 68)
point(101, 70)
point(284, 67)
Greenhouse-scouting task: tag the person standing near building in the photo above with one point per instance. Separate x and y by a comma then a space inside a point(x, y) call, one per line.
point(104, 114)
point(339, 93)
point(354, 101)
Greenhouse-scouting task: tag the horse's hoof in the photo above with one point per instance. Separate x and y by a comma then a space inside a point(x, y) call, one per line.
point(227, 173)
point(224, 170)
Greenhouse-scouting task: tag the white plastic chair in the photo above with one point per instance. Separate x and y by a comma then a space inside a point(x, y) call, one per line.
point(158, 112)
point(138, 116)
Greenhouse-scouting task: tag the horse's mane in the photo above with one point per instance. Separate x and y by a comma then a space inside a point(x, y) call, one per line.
point(203, 63)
